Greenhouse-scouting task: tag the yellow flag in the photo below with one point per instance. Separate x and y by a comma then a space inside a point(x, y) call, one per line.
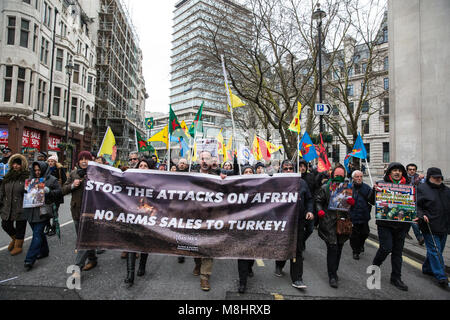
point(221, 143)
point(162, 136)
point(256, 150)
point(108, 149)
point(185, 128)
point(156, 154)
point(194, 157)
point(295, 124)
point(235, 100)
point(272, 148)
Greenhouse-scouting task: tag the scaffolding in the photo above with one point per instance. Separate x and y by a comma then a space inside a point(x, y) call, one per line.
point(119, 78)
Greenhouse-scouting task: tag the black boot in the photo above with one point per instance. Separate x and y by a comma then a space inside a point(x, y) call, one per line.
point(131, 262)
point(142, 263)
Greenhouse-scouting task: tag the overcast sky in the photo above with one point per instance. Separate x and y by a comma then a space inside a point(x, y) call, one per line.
point(153, 23)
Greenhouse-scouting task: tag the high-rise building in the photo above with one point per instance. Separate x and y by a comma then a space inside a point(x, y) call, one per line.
point(120, 94)
point(47, 87)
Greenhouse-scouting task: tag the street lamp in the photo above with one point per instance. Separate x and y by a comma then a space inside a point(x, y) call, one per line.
point(319, 15)
point(69, 68)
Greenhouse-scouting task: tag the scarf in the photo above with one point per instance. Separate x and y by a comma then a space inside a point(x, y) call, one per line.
point(337, 179)
point(402, 180)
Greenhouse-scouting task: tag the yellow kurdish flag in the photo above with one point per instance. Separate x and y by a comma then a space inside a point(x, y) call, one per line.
point(185, 128)
point(256, 150)
point(272, 148)
point(228, 147)
point(162, 136)
point(194, 157)
point(220, 143)
point(108, 149)
point(235, 100)
point(295, 124)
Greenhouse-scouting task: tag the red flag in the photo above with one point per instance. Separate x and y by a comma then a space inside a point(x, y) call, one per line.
point(264, 150)
point(323, 163)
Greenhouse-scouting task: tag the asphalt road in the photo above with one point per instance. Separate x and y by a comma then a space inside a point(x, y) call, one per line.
point(166, 279)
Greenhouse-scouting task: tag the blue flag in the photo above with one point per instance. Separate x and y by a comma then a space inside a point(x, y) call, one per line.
point(307, 148)
point(358, 151)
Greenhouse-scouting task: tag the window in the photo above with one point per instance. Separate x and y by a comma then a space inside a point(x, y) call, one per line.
point(386, 64)
point(351, 106)
point(79, 47)
point(65, 103)
point(89, 84)
point(386, 83)
point(30, 91)
point(357, 69)
point(81, 117)
point(44, 51)
point(83, 77)
point(386, 124)
point(364, 88)
point(335, 92)
point(367, 146)
point(364, 67)
point(41, 95)
point(385, 35)
point(27, 1)
point(20, 85)
point(59, 59)
point(386, 106)
point(386, 152)
point(335, 110)
point(11, 30)
point(335, 153)
point(56, 101)
point(63, 29)
point(365, 125)
point(76, 73)
point(8, 83)
point(24, 32)
point(73, 111)
point(365, 106)
point(47, 14)
point(35, 37)
point(350, 90)
point(350, 71)
point(37, 5)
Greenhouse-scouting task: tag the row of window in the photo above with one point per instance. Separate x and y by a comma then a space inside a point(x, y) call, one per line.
point(42, 100)
point(364, 88)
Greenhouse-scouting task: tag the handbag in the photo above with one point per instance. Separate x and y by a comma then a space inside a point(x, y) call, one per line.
point(343, 226)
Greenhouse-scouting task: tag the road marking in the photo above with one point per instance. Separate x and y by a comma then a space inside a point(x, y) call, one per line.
point(8, 279)
point(260, 263)
point(277, 296)
point(30, 237)
point(409, 261)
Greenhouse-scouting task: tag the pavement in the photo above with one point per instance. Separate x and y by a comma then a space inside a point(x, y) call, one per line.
point(412, 248)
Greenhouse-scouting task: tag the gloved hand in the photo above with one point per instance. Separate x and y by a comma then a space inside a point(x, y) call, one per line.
point(321, 213)
point(46, 190)
point(351, 201)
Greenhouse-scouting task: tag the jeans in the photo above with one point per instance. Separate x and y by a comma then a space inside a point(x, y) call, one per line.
point(82, 255)
point(296, 268)
point(244, 268)
point(434, 263)
point(39, 245)
point(391, 241)
point(416, 231)
point(360, 232)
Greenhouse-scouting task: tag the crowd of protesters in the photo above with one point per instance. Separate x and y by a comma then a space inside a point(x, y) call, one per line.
point(431, 226)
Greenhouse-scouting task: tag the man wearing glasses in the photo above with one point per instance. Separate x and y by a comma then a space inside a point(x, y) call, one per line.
point(306, 209)
point(133, 159)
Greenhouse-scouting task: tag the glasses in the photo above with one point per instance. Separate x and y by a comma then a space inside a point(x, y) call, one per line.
point(288, 169)
point(133, 159)
point(411, 169)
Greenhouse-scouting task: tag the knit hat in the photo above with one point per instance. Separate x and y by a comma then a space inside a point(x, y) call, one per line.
point(85, 155)
point(53, 157)
point(434, 172)
point(246, 166)
point(259, 164)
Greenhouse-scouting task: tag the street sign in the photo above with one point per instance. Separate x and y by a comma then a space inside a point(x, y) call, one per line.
point(322, 109)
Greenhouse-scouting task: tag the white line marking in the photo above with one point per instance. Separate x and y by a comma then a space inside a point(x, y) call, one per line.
point(8, 279)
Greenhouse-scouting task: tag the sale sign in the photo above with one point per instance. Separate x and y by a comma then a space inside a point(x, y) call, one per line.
point(53, 142)
point(31, 139)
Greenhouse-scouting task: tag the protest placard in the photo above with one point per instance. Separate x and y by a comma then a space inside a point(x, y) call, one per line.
point(395, 202)
point(34, 195)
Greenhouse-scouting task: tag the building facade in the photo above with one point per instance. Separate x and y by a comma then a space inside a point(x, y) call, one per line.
point(120, 94)
point(39, 110)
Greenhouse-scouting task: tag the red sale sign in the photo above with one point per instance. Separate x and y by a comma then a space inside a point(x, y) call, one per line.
point(31, 139)
point(53, 142)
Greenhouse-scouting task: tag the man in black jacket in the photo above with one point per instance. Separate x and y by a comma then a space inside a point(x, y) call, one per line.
point(360, 213)
point(391, 234)
point(306, 209)
point(433, 214)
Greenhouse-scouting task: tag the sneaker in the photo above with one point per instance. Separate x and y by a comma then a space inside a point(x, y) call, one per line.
point(89, 266)
point(399, 284)
point(278, 271)
point(28, 266)
point(428, 273)
point(299, 284)
point(180, 259)
point(204, 284)
point(443, 283)
point(356, 256)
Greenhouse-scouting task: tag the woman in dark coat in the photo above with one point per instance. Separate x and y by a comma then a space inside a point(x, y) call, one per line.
point(327, 225)
point(39, 217)
point(11, 202)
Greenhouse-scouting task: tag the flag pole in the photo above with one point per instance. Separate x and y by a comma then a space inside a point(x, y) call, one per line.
point(298, 152)
point(191, 151)
point(368, 169)
point(231, 108)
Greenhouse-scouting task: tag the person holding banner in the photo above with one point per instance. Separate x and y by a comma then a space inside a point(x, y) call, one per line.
point(433, 215)
point(75, 185)
point(143, 164)
point(11, 202)
point(364, 197)
point(328, 224)
point(306, 209)
point(203, 266)
point(391, 234)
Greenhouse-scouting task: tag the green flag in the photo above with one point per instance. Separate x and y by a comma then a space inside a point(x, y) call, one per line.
point(142, 144)
point(175, 128)
point(197, 123)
